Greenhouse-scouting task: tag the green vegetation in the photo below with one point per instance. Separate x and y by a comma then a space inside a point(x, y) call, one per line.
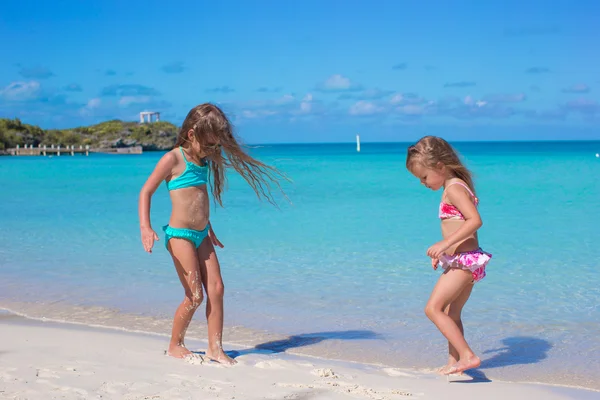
point(109, 134)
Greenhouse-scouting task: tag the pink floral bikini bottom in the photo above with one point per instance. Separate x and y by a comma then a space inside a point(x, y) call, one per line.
point(474, 261)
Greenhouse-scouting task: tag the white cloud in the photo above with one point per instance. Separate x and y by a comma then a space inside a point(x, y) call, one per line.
point(286, 105)
point(407, 98)
point(338, 83)
point(577, 88)
point(128, 100)
point(305, 107)
point(306, 104)
point(91, 105)
point(365, 108)
point(21, 91)
point(285, 99)
point(250, 114)
point(398, 98)
point(94, 103)
point(411, 109)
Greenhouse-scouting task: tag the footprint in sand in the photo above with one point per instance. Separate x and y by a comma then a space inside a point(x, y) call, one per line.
point(66, 390)
point(77, 371)
point(194, 359)
point(46, 373)
point(358, 390)
point(403, 393)
point(295, 385)
point(114, 387)
point(324, 373)
point(212, 389)
point(5, 373)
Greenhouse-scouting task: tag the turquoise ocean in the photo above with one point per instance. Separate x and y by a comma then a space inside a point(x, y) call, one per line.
point(342, 271)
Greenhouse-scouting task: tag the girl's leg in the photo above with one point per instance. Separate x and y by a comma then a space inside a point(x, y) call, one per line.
point(186, 263)
point(453, 310)
point(213, 285)
point(448, 289)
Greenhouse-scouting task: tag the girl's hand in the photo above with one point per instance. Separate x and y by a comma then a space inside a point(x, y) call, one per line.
point(436, 251)
point(434, 263)
point(148, 238)
point(213, 238)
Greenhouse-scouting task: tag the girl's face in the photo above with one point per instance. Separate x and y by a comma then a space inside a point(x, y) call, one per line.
point(432, 178)
point(210, 147)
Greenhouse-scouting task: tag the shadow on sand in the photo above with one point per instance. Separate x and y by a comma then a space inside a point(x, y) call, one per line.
point(517, 350)
point(302, 340)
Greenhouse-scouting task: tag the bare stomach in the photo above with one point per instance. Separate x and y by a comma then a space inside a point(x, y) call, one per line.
point(449, 227)
point(191, 208)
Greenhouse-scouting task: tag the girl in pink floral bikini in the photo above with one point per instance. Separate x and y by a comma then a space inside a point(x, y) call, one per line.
point(435, 163)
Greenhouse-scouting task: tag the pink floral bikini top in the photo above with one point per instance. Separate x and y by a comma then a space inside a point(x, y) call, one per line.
point(448, 211)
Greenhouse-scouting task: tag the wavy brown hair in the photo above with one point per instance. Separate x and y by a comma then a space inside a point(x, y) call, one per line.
point(429, 151)
point(221, 149)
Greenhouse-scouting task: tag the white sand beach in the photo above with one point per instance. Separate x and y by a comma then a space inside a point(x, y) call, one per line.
point(48, 360)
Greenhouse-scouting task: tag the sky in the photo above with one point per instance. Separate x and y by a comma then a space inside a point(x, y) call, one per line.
point(310, 71)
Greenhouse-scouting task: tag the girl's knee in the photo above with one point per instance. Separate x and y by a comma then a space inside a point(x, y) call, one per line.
point(431, 310)
point(216, 289)
point(194, 299)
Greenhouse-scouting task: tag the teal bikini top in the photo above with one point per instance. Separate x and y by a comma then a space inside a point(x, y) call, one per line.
point(193, 175)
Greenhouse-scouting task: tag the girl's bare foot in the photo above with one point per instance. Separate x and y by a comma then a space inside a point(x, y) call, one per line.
point(451, 361)
point(220, 357)
point(464, 364)
point(444, 370)
point(178, 351)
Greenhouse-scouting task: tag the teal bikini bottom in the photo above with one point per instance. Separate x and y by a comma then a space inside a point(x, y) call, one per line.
point(192, 235)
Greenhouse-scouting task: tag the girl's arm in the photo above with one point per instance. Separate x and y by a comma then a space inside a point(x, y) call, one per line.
point(161, 172)
point(461, 199)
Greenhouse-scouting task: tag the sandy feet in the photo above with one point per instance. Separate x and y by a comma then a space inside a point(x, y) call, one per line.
point(220, 357)
point(443, 369)
point(178, 351)
point(463, 365)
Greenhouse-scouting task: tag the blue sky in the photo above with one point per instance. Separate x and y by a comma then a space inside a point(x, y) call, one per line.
point(310, 71)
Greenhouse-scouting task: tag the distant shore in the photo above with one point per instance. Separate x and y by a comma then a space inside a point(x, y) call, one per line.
point(30, 151)
point(109, 136)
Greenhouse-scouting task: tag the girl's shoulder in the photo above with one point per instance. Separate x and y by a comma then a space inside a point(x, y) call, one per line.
point(173, 155)
point(456, 186)
point(170, 159)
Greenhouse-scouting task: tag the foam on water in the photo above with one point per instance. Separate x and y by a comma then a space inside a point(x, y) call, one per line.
point(348, 256)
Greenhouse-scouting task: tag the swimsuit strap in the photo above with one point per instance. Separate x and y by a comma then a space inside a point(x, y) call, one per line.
point(463, 185)
point(183, 154)
point(191, 162)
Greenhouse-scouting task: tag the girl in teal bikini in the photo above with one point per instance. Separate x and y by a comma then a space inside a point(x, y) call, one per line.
point(205, 146)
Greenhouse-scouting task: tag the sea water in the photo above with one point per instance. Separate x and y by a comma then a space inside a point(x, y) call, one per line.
point(342, 269)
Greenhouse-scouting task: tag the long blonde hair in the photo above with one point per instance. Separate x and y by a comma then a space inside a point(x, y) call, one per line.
point(207, 121)
point(429, 151)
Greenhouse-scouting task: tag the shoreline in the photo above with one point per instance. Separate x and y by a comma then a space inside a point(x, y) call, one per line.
point(80, 361)
point(263, 341)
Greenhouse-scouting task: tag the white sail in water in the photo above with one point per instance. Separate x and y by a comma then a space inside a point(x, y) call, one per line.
point(358, 143)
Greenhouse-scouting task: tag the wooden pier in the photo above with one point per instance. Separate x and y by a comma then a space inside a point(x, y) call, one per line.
point(69, 150)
